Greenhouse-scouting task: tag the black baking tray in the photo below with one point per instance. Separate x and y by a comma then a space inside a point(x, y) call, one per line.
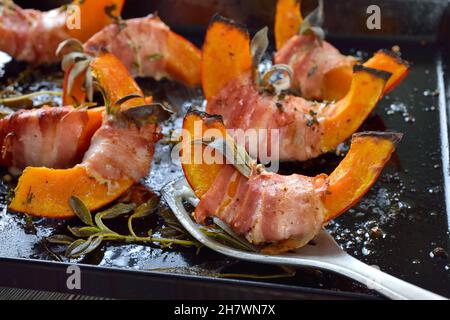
point(409, 202)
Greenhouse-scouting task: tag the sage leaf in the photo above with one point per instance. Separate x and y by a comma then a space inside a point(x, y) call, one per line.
point(150, 113)
point(278, 77)
point(89, 84)
point(234, 153)
point(313, 23)
point(60, 239)
point(73, 45)
point(80, 209)
point(84, 232)
point(258, 47)
point(142, 211)
point(76, 247)
point(117, 210)
point(146, 208)
point(78, 68)
point(71, 58)
point(93, 244)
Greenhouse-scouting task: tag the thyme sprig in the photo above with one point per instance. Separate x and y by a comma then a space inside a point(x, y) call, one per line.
point(20, 98)
point(94, 232)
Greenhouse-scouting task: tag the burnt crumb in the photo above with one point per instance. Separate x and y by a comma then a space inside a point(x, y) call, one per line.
point(312, 71)
point(312, 122)
point(438, 252)
point(267, 90)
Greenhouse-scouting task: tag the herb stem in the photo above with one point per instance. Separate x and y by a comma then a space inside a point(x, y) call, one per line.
point(22, 97)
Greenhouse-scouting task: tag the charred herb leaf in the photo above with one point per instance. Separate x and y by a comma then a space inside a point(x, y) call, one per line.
point(258, 47)
point(313, 22)
point(80, 209)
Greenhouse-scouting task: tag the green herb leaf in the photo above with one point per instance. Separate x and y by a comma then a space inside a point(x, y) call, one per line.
point(155, 57)
point(75, 247)
point(234, 153)
point(258, 48)
point(142, 211)
point(82, 247)
point(312, 24)
point(84, 232)
point(277, 79)
point(117, 210)
point(60, 239)
point(151, 113)
point(77, 69)
point(80, 209)
point(73, 45)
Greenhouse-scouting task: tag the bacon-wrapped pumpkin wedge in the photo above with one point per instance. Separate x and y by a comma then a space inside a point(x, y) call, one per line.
point(148, 48)
point(320, 71)
point(33, 36)
point(306, 129)
point(54, 137)
point(129, 131)
point(267, 208)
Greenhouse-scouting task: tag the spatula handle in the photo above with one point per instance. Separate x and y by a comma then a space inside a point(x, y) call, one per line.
point(380, 281)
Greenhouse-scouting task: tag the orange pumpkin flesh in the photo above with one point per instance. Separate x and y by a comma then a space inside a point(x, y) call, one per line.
point(352, 178)
point(346, 116)
point(288, 19)
point(389, 61)
point(338, 81)
point(45, 192)
point(93, 17)
point(200, 176)
point(358, 171)
point(183, 60)
point(226, 54)
point(115, 79)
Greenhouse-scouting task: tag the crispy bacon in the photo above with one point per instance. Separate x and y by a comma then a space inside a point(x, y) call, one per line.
point(121, 150)
point(31, 35)
point(49, 137)
point(310, 62)
point(297, 119)
point(267, 207)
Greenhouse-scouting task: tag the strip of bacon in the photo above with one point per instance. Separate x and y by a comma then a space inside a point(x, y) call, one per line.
point(120, 150)
point(310, 62)
point(299, 135)
point(33, 36)
point(49, 137)
point(147, 47)
point(266, 207)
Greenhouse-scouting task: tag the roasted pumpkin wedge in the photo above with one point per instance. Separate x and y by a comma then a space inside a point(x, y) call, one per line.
point(337, 81)
point(94, 15)
point(345, 116)
point(226, 59)
point(45, 192)
point(288, 19)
